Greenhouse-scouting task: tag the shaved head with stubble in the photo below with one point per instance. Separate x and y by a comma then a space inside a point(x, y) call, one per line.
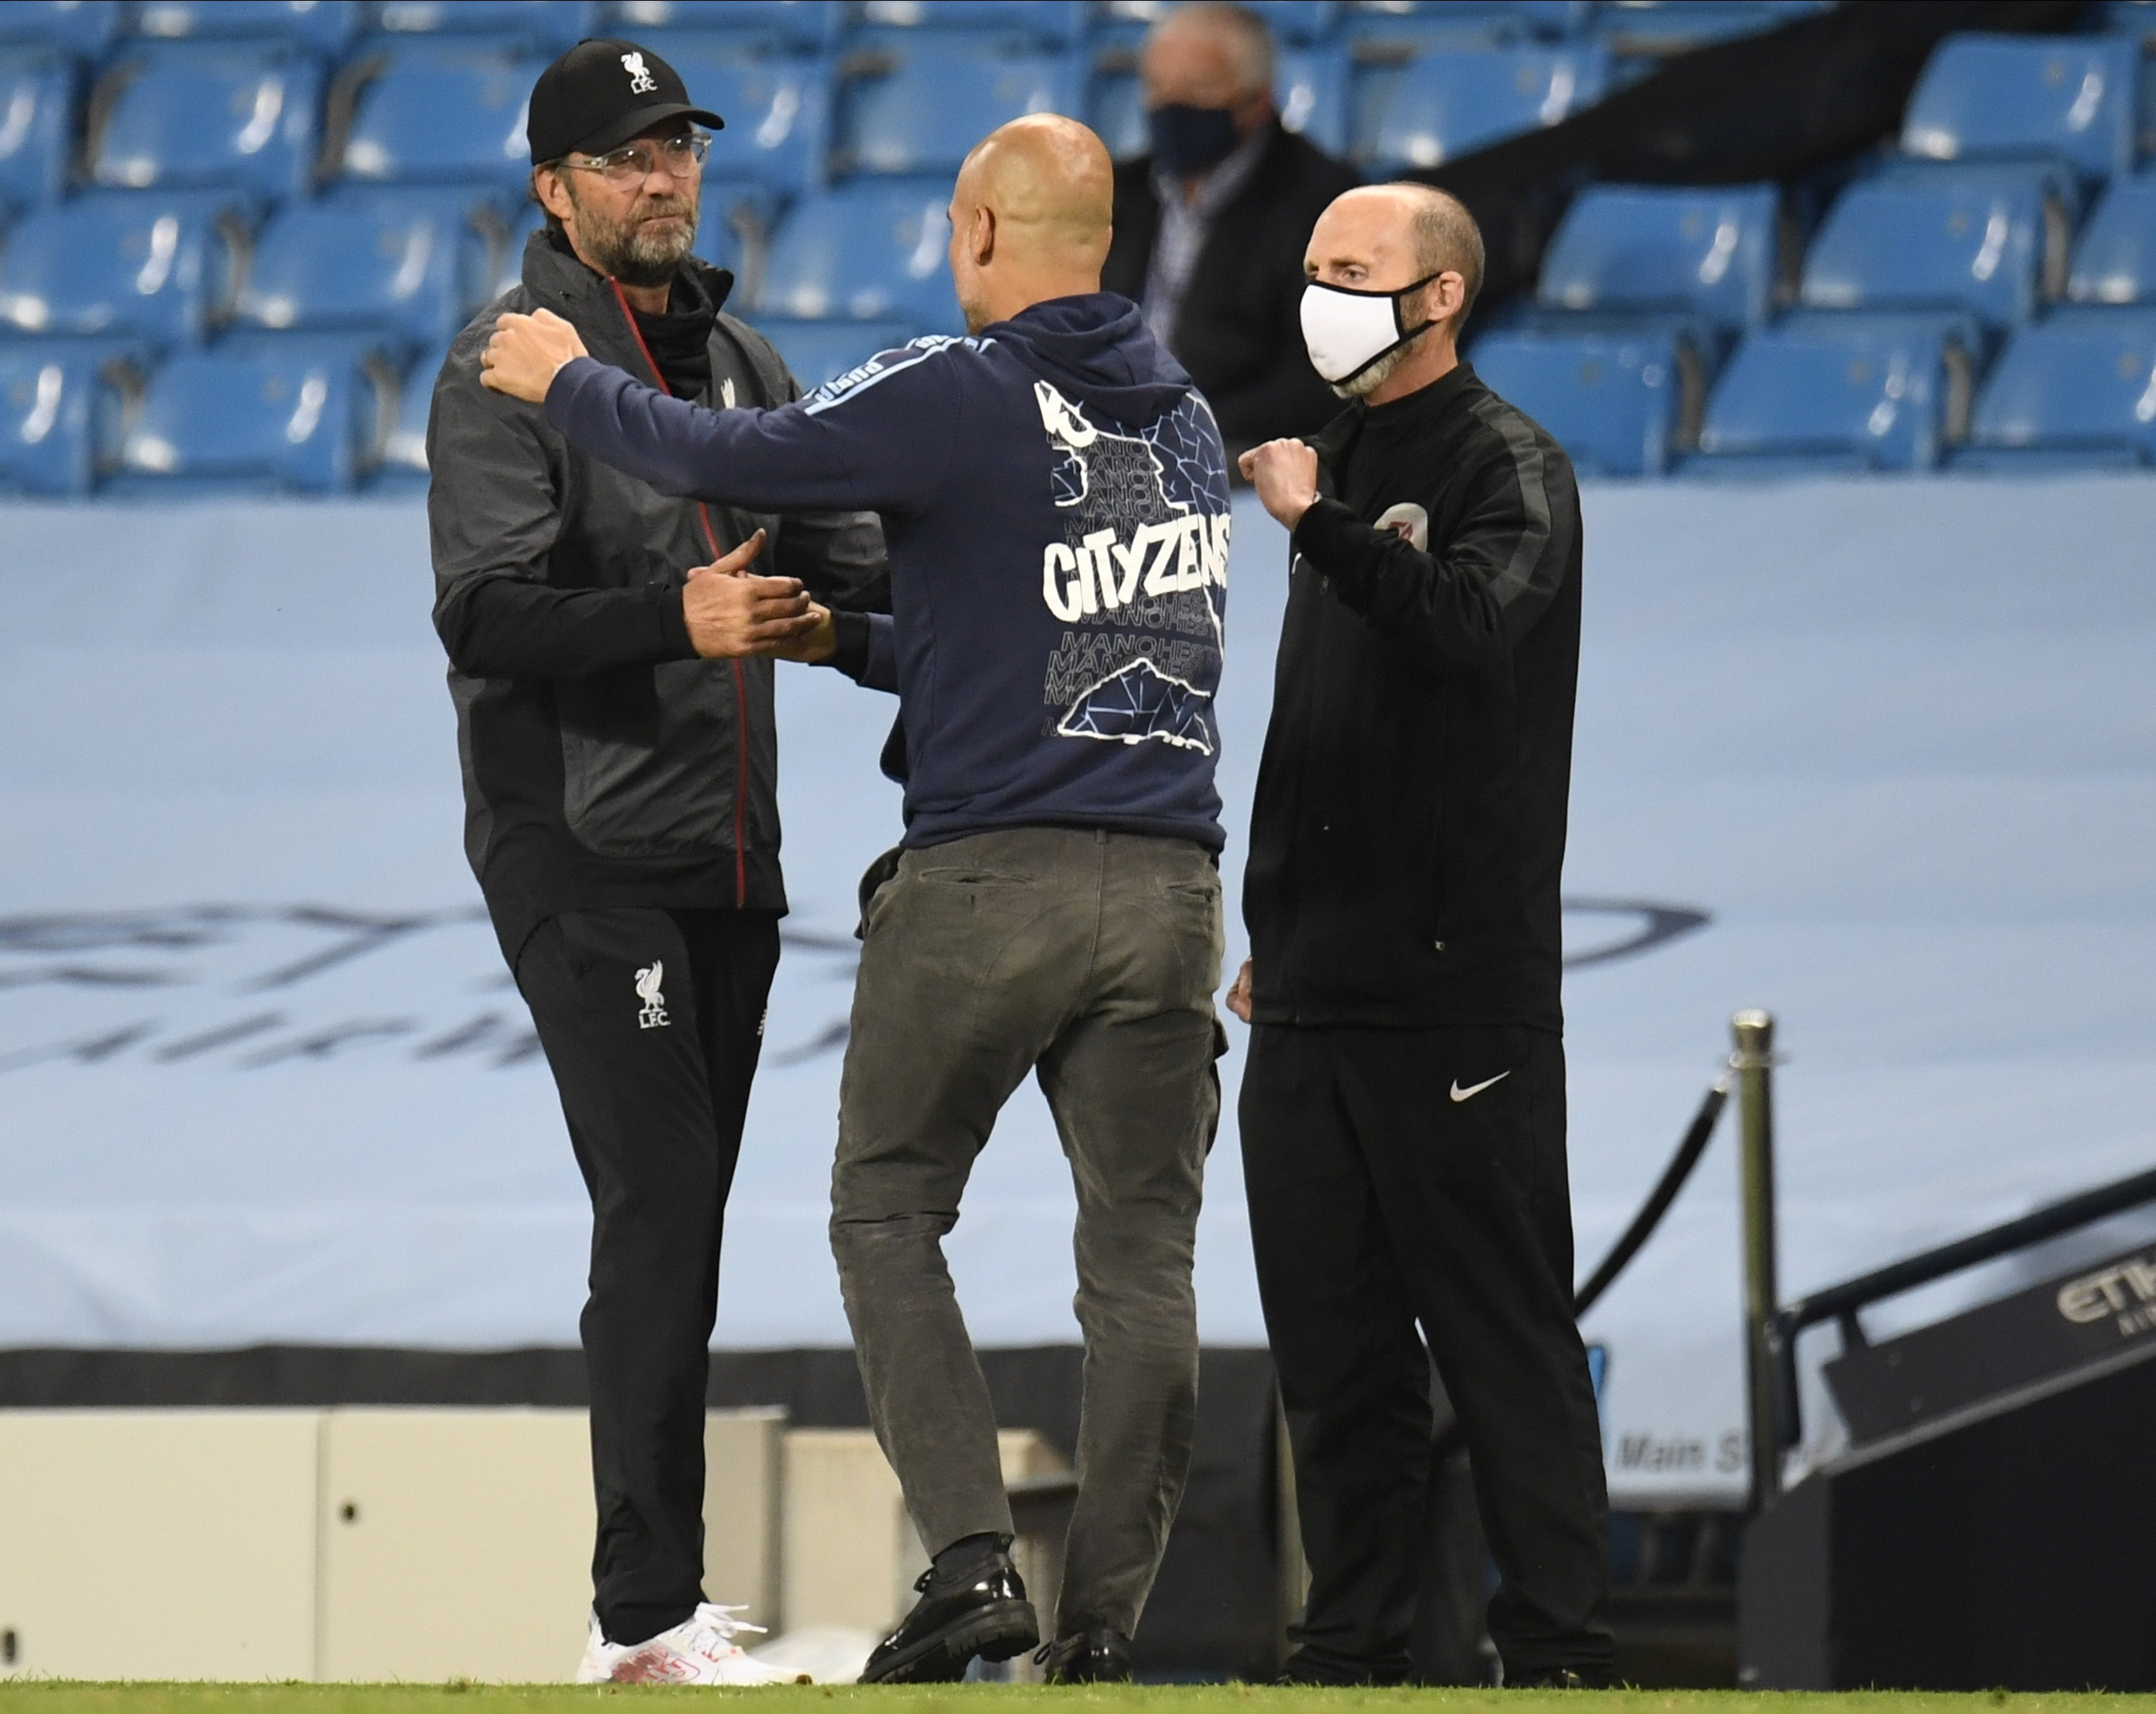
point(1030, 217)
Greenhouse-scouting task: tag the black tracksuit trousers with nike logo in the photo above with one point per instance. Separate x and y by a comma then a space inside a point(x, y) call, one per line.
point(652, 1021)
point(1409, 1186)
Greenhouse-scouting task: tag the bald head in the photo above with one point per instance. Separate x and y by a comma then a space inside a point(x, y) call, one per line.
point(1384, 237)
point(1029, 217)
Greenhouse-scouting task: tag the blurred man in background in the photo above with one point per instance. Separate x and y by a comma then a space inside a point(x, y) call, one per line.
point(621, 790)
point(1210, 226)
point(1404, 1104)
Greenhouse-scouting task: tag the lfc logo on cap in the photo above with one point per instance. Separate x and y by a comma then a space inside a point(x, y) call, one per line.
point(640, 80)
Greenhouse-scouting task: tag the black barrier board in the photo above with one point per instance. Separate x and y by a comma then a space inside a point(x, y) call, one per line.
point(2051, 1329)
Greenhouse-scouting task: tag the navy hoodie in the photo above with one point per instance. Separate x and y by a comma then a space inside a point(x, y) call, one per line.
point(1055, 499)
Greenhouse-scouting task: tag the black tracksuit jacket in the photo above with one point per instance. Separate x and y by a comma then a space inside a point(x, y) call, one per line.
point(1409, 833)
point(604, 763)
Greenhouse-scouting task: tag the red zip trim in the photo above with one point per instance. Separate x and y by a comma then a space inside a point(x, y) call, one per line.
point(741, 683)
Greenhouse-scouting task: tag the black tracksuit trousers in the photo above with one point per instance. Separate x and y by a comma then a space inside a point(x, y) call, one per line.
point(652, 1020)
point(1401, 1178)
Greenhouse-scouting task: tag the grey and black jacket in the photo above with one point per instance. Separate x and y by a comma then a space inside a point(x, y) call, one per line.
point(604, 763)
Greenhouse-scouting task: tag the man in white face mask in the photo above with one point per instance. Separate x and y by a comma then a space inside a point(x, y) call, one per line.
point(1403, 1104)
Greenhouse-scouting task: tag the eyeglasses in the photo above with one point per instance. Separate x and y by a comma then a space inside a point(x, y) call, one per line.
point(682, 156)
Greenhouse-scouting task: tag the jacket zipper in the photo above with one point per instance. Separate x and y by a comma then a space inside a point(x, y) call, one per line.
point(741, 683)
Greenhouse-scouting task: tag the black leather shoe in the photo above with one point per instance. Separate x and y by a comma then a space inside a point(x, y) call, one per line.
point(983, 1611)
point(1564, 1678)
point(1101, 1656)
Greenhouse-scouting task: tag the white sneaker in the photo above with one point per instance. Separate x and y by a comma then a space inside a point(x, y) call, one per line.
point(700, 1650)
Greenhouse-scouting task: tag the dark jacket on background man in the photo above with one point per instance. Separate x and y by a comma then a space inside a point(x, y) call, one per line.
point(1409, 832)
point(1239, 330)
point(604, 763)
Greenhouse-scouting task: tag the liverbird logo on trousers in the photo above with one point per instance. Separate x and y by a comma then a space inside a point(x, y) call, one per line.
point(640, 80)
point(653, 1014)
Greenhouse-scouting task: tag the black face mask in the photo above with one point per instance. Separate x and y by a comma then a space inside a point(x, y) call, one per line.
point(1189, 141)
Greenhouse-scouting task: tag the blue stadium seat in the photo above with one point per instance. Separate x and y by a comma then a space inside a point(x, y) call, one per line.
point(403, 460)
point(2077, 389)
point(2132, 18)
point(1656, 28)
point(548, 25)
point(443, 113)
point(37, 99)
point(412, 264)
point(813, 25)
point(1713, 253)
point(1054, 22)
point(156, 265)
point(909, 106)
point(1298, 21)
point(818, 352)
point(1991, 240)
point(1310, 91)
point(776, 109)
point(1618, 405)
point(509, 260)
point(1839, 392)
point(281, 413)
point(1551, 20)
point(56, 411)
point(1380, 33)
point(734, 232)
point(2071, 98)
point(86, 27)
point(326, 26)
point(2115, 261)
point(869, 251)
point(1412, 109)
point(206, 114)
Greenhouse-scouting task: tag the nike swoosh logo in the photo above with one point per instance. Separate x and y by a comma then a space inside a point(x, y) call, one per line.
point(1465, 1095)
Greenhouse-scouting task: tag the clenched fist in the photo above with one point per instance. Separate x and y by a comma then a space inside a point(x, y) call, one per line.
point(525, 352)
point(1285, 473)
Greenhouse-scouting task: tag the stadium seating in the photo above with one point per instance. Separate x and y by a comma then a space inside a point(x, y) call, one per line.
point(326, 26)
point(868, 251)
point(411, 265)
point(818, 352)
point(917, 106)
point(1847, 393)
point(156, 265)
point(55, 410)
point(273, 413)
point(811, 25)
point(403, 457)
point(1619, 404)
point(548, 26)
point(1715, 254)
point(734, 231)
point(1987, 239)
point(441, 112)
point(777, 110)
point(211, 113)
point(1050, 23)
point(84, 27)
point(2071, 98)
point(1411, 107)
point(2115, 260)
point(36, 91)
point(1656, 29)
point(2079, 389)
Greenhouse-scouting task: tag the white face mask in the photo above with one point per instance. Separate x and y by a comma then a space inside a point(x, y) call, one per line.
point(1347, 330)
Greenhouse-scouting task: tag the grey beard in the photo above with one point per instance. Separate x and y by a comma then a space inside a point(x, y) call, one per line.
point(634, 256)
point(1373, 377)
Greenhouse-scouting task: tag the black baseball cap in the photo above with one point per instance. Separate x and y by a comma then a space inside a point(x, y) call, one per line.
point(602, 93)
